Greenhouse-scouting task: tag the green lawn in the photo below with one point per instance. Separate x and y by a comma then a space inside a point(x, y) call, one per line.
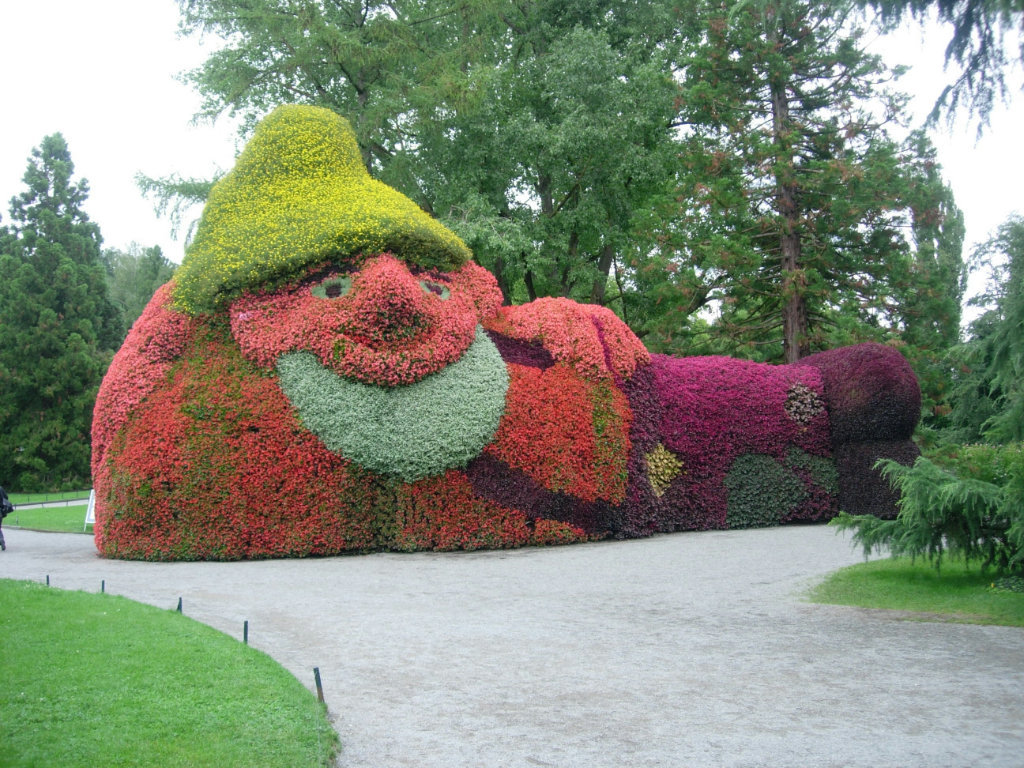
point(99, 680)
point(32, 498)
point(68, 519)
point(955, 593)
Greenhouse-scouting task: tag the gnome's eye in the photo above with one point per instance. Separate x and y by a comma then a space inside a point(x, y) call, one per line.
point(332, 287)
point(441, 291)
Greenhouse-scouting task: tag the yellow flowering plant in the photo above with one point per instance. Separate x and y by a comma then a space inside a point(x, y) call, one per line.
point(300, 195)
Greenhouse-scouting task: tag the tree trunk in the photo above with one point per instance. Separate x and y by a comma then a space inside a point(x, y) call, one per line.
point(604, 266)
point(794, 303)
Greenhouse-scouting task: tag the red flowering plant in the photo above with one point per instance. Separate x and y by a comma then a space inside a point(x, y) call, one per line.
point(380, 324)
point(154, 342)
point(568, 433)
point(591, 340)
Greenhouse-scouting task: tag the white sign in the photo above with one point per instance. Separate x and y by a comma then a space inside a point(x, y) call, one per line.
point(90, 511)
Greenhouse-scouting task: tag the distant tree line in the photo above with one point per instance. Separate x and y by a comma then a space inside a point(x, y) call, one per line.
point(728, 177)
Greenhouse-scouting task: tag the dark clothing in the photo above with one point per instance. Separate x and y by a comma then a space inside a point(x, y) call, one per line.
point(5, 509)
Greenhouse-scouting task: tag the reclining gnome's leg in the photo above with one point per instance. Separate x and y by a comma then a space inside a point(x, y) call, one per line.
point(743, 444)
point(874, 403)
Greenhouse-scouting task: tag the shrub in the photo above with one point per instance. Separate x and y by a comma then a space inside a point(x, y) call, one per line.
point(977, 516)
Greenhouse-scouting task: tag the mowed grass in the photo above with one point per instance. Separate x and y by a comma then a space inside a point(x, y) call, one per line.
point(99, 680)
point(957, 592)
point(64, 519)
point(32, 498)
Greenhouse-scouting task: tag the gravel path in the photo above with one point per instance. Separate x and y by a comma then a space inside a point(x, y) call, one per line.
point(687, 650)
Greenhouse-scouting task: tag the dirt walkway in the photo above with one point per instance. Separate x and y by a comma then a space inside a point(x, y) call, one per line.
point(687, 650)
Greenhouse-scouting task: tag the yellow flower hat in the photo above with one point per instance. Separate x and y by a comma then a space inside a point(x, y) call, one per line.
point(300, 195)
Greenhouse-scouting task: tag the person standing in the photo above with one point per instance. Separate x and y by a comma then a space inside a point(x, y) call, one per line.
point(5, 509)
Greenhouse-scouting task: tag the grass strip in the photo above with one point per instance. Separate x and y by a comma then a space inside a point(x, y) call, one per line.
point(93, 679)
point(35, 498)
point(958, 592)
point(63, 519)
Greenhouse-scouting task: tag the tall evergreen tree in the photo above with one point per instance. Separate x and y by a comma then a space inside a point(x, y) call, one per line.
point(59, 329)
point(989, 398)
point(794, 208)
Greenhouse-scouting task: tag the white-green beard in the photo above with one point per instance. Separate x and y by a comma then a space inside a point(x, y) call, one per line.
point(412, 431)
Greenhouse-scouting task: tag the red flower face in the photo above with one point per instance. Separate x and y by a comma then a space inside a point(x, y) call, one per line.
point(380, 324)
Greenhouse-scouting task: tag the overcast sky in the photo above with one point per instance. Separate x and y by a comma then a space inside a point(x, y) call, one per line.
point(102, 72)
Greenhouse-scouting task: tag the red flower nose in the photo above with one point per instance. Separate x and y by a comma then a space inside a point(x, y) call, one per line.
point(387, 304)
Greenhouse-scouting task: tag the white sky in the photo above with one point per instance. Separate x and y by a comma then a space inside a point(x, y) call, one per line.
point(102, 72)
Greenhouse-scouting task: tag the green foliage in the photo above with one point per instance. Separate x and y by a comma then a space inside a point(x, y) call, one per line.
point(975, 514)
point(92, 680)
point(793, 203)
point(175, 196)
point(133, 277)
point(59, 326)
point(761, 491)
point(987, 371)
point(634, 155)
point(1004, 347)
point(571, 134)
point(978, 47)
point(410, 432)
point(534, 131)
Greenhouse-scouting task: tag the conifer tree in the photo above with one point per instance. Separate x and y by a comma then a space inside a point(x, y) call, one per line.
point(59, 328)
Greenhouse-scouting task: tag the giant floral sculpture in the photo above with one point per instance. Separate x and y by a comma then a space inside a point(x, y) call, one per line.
point(330, 372)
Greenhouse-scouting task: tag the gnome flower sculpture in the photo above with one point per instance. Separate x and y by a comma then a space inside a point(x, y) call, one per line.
point(329, 372)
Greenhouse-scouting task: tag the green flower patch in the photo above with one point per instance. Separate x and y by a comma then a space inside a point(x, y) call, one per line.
point(409, 432)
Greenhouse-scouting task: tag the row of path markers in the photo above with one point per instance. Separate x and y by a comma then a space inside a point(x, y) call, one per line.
point(245, 639)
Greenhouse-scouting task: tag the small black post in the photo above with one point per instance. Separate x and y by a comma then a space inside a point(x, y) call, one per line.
point(47, 579)
point(179, 605)
point(319, 686)
point(103, 586)
point(245, 632)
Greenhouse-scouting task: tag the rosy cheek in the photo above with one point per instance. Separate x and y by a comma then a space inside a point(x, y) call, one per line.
point(477, 286)
point(266, 326)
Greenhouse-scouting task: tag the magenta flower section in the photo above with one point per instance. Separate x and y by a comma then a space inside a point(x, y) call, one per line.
point(871, 390)
point(716, 409)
